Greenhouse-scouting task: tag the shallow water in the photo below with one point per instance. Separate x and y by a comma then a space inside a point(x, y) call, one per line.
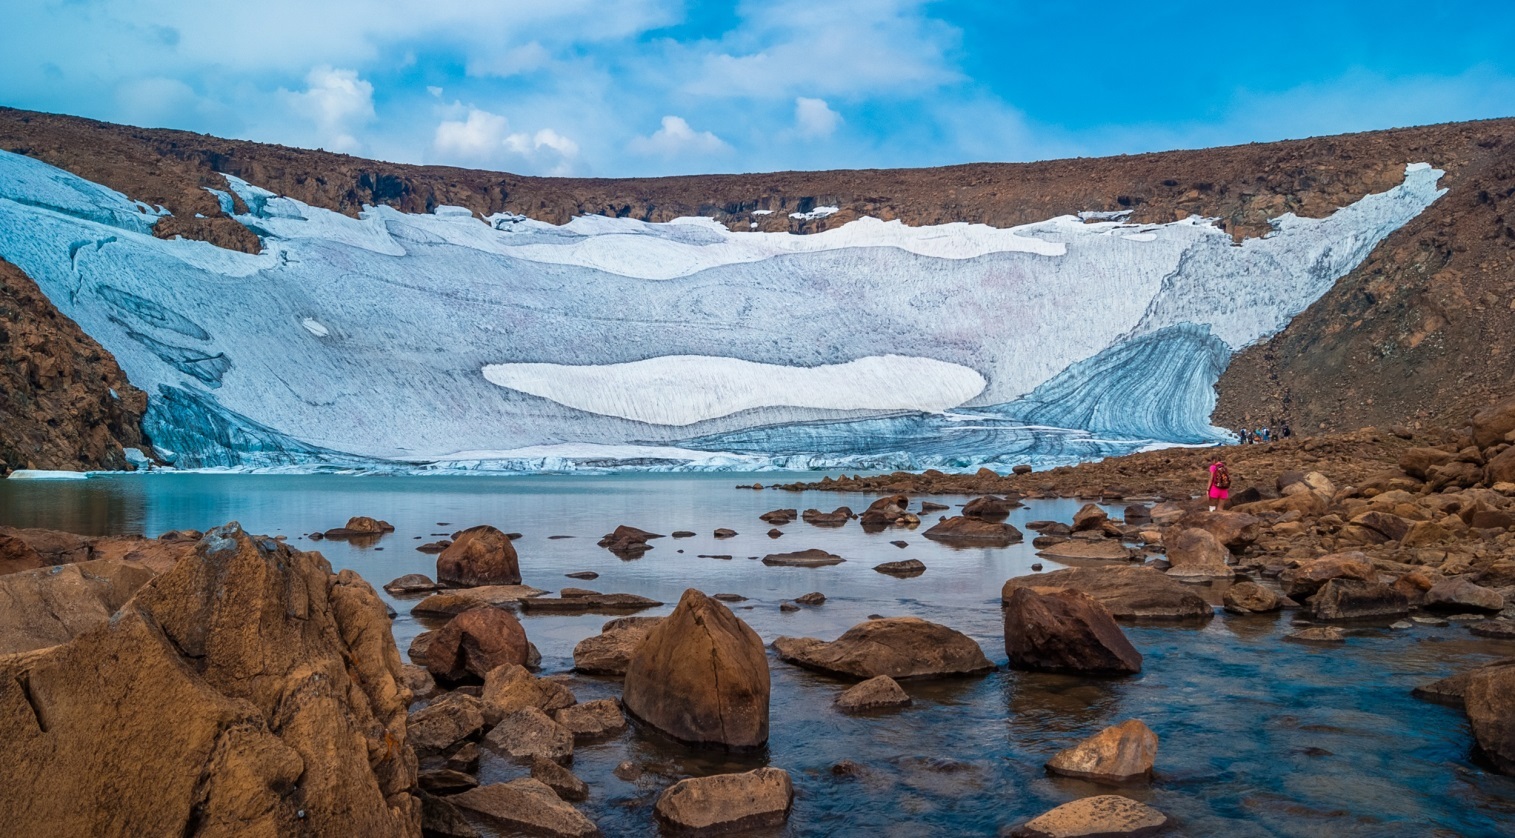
point(1258, 737)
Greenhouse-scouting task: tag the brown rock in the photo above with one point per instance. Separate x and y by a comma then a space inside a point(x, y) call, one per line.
point(1090, 517)
point(972, 532)
point(1501, 468)
point(1128, 593)
point(246, 685)
point(989, 508)
point(593, 719)
point(900, 647)
point(780, 516)
point(701, 677)
point(609, 653)
point(1236, 530)
point(559, 779)
point(1491, 424)
point(725, 803)
point(1490, 704)
point(884, 511)
point(445, 722)
point(479, 556)
point(1418, 462)
point(1461, 595)
point(420, 683)
point(433, 547)
point(575, 601)
point(446, 781)
point(1353, 599)
point(529, 733)
point(359, 526)
point(812, 598)
point(410, 583)
point(442, 819)
point(453, 602)
point(1063, 630)
point(1250, 598)
point(1383, 526)
point(877, 693)
point(1118, 754)
point(802, 558)
point(628, 542)
point(1318, 634)
point(510, 688)
point(1195, 552)
point(1107, 550)
point(835, 518)
point(475, 642)
point(1105, 816)
point(1306, 579)
point(904, 569)
point(48, 606)
point(528, 805)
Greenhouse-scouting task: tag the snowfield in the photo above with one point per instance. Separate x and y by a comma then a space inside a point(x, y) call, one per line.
point(400, 340)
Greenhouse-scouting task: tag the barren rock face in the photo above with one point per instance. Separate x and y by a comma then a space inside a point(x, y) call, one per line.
point(701, 677)
point(480, 556)
point(245, 686)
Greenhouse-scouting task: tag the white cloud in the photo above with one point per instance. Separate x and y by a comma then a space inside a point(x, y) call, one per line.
point(338, 103)
point(484, 138)
point(677, 138)
point(814, 118)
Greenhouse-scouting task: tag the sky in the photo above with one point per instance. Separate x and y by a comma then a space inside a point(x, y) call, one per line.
point(648, 87)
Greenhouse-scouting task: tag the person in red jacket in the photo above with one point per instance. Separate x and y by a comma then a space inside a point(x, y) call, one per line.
point(1220, 486)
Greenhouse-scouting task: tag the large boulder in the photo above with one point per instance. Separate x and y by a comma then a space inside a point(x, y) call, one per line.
point(527, 805)
point(884, 511)
point(1418, 462)
point(1063, 630)
point(701, 677)
point(1118, 754)
point(1493, 423)
point(529, 734)
point(246, 690)
point(989, 508)
point(1105, 816)
point(1501, 468)
point(1304, 580)
point(48, 606)
point(1089, 518)
point(1462, 595)
point(360, 527)
point(900, 647)
point(725, 803)
point(445, 722)
point(1489, 699)
point(479, 556)
point(973, 532)
point(510, 688)
point(1196, 553)
point(475, 642)
point(1353, 599)
point(1236, 530)
point(609, 652)
point(1250, 598)
point(1128, 593)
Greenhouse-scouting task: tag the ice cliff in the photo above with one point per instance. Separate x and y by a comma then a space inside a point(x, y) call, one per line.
point(460, 342)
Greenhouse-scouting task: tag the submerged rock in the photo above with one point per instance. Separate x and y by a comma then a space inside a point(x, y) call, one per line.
point(803, 558)
point(900, 647)
point(1318, 634)
point(1105, 816)
point(528, 805)
point(1064, 630)
point(904, 569)
point(724, 803)
point(701, 677)
point(1119, 754)
point(479, 556)
point(878, 693)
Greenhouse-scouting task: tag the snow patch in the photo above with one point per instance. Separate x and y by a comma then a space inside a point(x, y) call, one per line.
point(315, 327)
point(43, 474)
point(818, 212)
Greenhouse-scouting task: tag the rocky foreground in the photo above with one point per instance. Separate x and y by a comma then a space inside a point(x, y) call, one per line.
point(221, 682)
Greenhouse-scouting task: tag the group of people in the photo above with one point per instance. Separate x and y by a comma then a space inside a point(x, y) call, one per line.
point(1247, 436)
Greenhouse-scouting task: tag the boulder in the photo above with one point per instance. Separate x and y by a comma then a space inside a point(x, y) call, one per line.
point(989, 508)
point(1354, 599)
point(1418, 462)
point(1453, 689)
point(900, 647)
point(475, 642)
point(592, 720)
point(884, 511)
point(1318, 634)
point(1500, 468)
point(878, 693)
point(445, 722)
point(441, 819)
point(434, 547)
point(1489, 700)
point(812, 598)
point(529, 733)
point(559, 779)
point(802, 558)
point(628, 542)
point(609, 653)
point(574, 601)
point(725, 803)
point(1023, 468)
point(1196, 553)
point(780, 516)
point(420, 683)
point(411, 583)
point(528, 805)
point(1050, 528)
point(247, 689)
point(1105, 550)
point(1460, 595)
point(1250, 598)
point(479, 556)
point(1128, 593)
point(1064, 630)
point(510, 688)
point(724, 532)
point(1118, 754)
point(454, 602)
point(446, 781)
point(835, 518)
point(360, 526)
point(1491, 424)
point(972, 532)
point(1306, 579)
point(1167, 512)
point(1090, 517)
point(1379, 527)
point(1236, 530)
point(1105, 816)
point(701, 677)
point(906, 568)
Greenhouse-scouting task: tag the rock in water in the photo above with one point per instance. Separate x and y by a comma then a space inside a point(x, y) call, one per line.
point(1118, 754)
point(1250, 598)
point(1196, 553)
point(1352, 599)
point(803, 558)
point(1305, 580)
point(900, 647)
point(609, 653)
point(989, 508)
point(701, 677)
point(877, 693)
point(510, 688)
point(567, 785)
point(248, 690)
point(528, 805)
point(1461, 595)
point(592, 720)
point(479, 556)
point(530, 733)
point(1090, 517)
point(411, 583)
point(445, 722)
point(725, 803)
point(973, 532)
point(1105, 816)
point(905, 569)
point(1063, 630)
point(1489, 700)
point(1128, 593)
point(475, 642)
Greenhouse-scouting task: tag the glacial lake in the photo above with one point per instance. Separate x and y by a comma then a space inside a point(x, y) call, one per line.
point(1258, 737)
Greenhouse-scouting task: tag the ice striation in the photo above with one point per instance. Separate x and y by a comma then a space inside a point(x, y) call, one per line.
point(446, 342)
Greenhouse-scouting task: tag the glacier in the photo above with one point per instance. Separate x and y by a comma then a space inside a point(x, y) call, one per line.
point(449, 342)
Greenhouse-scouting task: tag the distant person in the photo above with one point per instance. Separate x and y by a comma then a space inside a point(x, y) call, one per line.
point(1241, 436)
point(1220, 486)
point(1285, 432)
point(1267, 434)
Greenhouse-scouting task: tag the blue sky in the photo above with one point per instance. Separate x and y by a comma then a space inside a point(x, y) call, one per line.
point(640, 87)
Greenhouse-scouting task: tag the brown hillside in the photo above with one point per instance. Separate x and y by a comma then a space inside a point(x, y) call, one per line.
point(1420, 330)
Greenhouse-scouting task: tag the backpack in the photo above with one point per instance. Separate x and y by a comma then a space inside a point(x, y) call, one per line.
point(1222, 477)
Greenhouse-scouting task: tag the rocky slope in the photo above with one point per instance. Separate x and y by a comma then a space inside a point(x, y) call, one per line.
point(1417, 333)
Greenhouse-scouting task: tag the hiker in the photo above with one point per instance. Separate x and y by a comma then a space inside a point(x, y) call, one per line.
point(1241, 435)
point(1220, 486)
point(1286, 432)
point(1267, 434)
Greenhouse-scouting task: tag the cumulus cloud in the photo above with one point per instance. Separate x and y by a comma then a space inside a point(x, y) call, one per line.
point(338, 102)
point(814, 118)
point(677, 138)
point(484, 138)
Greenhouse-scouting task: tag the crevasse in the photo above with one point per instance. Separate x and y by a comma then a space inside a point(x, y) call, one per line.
point(449, 342)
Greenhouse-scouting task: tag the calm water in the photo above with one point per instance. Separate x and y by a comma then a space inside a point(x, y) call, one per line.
point(1258, 737)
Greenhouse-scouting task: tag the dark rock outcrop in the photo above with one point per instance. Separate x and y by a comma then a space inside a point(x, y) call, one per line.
point(972, 532)
point(1064, 630)
point(1128, 593)
point(479, 556)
